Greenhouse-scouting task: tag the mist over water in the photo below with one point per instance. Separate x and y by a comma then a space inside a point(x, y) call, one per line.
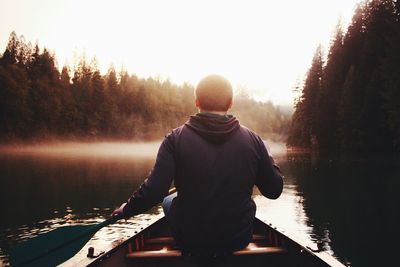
point(106, 150)
point(119, 150)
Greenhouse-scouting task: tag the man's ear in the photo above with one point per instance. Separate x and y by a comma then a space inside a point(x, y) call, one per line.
point(230, 105)
point(197, 103)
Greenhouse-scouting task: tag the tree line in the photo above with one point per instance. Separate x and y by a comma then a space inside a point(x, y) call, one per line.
point(38, 101)
point(350, 104)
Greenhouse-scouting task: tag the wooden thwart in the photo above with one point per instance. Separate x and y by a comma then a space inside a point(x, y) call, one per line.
point(253, 249)
point(167, 252)
point(150, 254)
point(170, 239)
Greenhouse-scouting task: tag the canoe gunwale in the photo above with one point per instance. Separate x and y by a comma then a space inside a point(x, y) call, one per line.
point(306, 247)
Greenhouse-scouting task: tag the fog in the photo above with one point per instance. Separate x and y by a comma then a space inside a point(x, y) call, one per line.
point(119, 150)
point(86, 150)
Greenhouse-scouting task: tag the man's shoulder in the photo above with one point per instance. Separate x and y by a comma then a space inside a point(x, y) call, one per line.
point(173, 135)
point(176, 131)
point(250, 133)
point(252, 138)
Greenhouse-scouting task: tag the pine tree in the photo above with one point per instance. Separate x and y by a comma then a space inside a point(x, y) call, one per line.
point(44, 94)
point(391, 81)
point(330, 93)
point(10, 55)
point(350, 103)
point(304, 125)
point(68, 114)
point(113, 101)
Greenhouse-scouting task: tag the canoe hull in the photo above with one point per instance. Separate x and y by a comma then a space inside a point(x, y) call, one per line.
point(287, 251)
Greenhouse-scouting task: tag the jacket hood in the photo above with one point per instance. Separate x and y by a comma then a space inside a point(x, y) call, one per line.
point(213, 127)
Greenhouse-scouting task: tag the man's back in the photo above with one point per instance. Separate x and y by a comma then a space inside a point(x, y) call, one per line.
point(217, 165)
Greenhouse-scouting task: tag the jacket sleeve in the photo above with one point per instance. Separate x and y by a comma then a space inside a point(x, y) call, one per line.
point(269, 179)
point(156, 186)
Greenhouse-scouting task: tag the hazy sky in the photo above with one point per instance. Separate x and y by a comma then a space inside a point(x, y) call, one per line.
point(264, 46)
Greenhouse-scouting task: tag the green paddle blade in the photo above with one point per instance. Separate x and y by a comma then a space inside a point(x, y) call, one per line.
point(55, 247)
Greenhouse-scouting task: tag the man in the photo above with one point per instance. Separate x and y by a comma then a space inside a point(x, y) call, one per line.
point(214, 163)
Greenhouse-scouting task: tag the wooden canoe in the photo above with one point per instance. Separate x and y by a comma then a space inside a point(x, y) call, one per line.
point(154, 246)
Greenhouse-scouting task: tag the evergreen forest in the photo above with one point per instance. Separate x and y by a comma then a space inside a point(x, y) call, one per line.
point(39, 101)
point(350, 98)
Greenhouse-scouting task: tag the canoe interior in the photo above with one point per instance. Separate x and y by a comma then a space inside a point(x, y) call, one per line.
point(275, 249)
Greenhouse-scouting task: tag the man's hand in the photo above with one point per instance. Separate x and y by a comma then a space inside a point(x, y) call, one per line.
point(119, 211)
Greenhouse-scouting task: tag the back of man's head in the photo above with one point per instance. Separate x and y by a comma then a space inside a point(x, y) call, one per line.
point(214, 93)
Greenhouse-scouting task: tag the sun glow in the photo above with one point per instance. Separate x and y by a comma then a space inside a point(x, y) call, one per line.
point(264, 46)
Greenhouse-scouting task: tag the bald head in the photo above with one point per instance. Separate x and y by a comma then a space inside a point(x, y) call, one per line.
point(214, 93)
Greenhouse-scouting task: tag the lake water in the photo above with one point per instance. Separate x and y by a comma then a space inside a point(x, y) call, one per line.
point(348, 208)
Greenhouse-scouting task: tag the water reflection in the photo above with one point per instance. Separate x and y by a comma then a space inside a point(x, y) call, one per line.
point(288, 213)
point(38, 188)
point(351, 206)
point(39, 193)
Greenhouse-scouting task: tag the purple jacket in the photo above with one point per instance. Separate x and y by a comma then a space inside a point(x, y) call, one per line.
point(214, 163)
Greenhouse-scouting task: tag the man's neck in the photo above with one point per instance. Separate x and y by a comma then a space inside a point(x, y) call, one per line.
point(222, 113)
